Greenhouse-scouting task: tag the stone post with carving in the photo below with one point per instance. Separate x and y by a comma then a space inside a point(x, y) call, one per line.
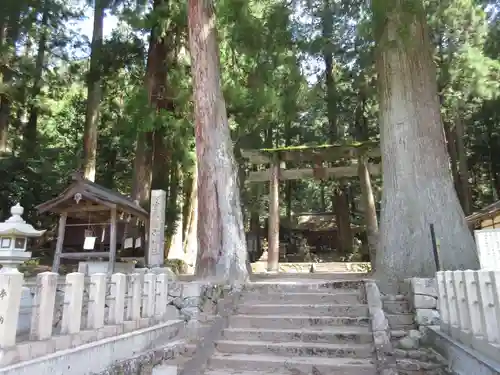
point(156, 241)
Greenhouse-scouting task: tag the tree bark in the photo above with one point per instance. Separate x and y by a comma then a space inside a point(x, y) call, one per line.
point(30, 131)
point(94, 95)
point(463, 169)
point(161, 160)
point(143, 168)
point(367, 197)
point(191, 230)
point(340, 202)
point(370, 211)
point(451, 146)
point(221, 237)
point(493, 165)
point(175, 248)
point(155, 83)
point(418, 189)
point(11, 30)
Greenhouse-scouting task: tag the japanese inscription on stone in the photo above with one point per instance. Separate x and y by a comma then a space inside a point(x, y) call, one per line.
point(488, 247)
point(156, 244)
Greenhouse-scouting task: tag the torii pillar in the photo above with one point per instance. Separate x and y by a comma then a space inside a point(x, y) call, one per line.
point(274, 218)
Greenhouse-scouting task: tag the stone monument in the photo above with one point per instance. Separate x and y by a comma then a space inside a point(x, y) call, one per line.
point(156, 241)
point(488, 248)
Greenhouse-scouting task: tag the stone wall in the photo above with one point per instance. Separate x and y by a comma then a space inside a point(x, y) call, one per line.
point(412, 356)
point(195, 299)
point(408, 314)
point(422, 295)
point(386, 364)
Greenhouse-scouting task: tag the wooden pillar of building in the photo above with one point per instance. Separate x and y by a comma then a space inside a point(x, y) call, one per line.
point(61, 230)
point(274, 219)
point(112, 242)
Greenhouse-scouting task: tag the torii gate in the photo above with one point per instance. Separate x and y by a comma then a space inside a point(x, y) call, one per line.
point(352, 160)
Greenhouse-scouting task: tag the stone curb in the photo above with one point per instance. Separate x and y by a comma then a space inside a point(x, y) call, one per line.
point(380, 330)
point(206, 345)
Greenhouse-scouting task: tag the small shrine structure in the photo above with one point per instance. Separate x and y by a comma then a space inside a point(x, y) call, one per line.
point(101, 211)
point(486, 218)
point(359, 159)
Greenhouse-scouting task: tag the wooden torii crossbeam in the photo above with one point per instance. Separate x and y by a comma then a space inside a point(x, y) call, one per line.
point(354, 157)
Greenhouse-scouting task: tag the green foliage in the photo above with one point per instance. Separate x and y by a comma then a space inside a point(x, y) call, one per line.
point(272, 55)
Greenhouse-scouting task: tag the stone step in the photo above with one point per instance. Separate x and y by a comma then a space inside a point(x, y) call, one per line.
point(303, 286)
point(291, 365)
point(302, 309)
point(334, 335)
point(397, 307)
point(301, 349)
point(400, 321)
point(294, 321)
point(338, 297)
point(239, 372)
point(164, 370)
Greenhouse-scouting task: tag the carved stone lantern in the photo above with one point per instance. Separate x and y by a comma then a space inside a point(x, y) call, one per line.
point(14, 234)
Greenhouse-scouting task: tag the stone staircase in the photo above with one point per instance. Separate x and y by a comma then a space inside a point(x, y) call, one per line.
point(297, 328)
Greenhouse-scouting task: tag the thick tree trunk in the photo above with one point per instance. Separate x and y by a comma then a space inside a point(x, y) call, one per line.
point(367, 197)
point(341, 204)
point(161, 161)
point(369, 210)
point(493, 167)
point(451, 146)
point(463, 169)
point(30, 131)
point(143, 168)
point(155, 83)
point(10, 30)
point(221, 237)
point(418, 189)
point(176, 246)
point(191, 230)
point(94, 95)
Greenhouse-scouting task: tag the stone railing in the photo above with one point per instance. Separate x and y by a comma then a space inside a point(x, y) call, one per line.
point(469, 303)
point(84, 310)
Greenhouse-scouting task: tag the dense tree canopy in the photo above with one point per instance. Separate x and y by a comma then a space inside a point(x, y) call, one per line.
point(120, 107)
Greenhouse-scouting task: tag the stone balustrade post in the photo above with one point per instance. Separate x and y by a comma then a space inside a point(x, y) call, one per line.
point(11, 285)
point(444, 308)
point(478, 327)
point(97, 300)
point(495, 277)
point(134, 297)
point(487, 300)
point(452, 304)
point(463, 306)
point(43, 306)
point(117, 303)
point(161, 295)
point(149, 295)
point(73, 303)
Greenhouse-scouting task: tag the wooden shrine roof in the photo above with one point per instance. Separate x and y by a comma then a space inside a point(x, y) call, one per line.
point(485, 213)
point(314, 153)
point(94, 198)
point(317, 222)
